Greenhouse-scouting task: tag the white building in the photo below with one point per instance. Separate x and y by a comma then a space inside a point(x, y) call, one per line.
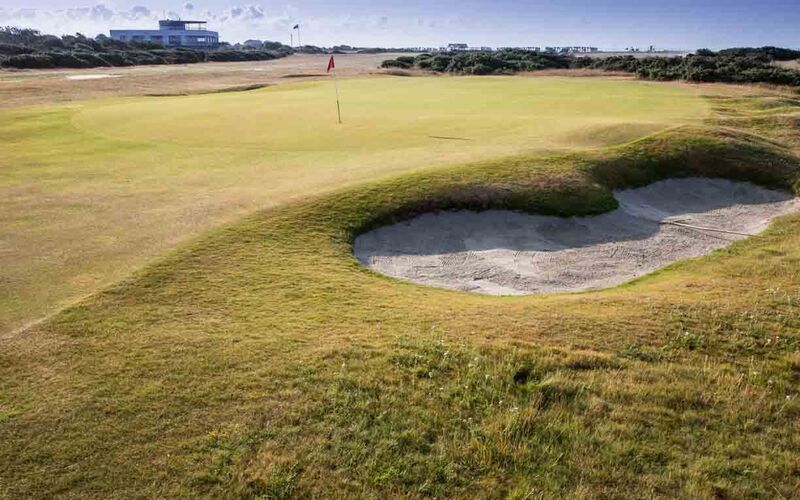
point(571, 50)
point(524, 49)
point(171, 33)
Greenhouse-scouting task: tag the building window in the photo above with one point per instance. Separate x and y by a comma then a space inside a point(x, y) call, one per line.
point(174, 40)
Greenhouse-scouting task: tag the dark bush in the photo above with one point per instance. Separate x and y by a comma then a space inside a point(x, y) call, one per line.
point(10, 49)
point(139, 57)
point(179, 56)
point(395, 63)
point(766, 53)
point(441, 63)
point(92, 59)
point(111, 44)
point(117, 58)
point(267, 45)
point(51, 42)
point(241, 55)
point(79, 51)
point(482, 69)
point(705, 66)
point(32, 61)
point(67, 60)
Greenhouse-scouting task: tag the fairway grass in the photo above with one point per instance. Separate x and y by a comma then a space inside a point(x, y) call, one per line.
point(91, 191)
point(263, 361)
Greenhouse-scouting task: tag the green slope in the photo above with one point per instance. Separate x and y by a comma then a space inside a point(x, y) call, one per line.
point(262, 360)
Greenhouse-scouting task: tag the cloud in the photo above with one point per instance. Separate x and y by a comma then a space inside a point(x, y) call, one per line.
point(255, 12)
point(234, 22)
point(100, 11)
point(23, 14)
point(138, 12)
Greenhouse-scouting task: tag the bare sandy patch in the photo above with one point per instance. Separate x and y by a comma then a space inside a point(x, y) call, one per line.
point(500, 252)
point(94, 76)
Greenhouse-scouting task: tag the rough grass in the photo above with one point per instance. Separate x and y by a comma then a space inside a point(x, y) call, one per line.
point(31, 87)
point(91, 191)
point(262, 361)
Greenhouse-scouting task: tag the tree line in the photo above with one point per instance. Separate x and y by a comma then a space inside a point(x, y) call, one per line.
point(28, 48)
point(738, 65)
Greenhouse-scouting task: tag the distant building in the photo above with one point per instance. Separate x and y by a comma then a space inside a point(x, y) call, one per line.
point(457, 47)
point(524, 49)
point(571, 50)
point(584, 50)
point(172, 33)
point(253, 43)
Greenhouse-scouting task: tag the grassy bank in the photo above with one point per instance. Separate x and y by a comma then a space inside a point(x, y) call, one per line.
point(262, 360)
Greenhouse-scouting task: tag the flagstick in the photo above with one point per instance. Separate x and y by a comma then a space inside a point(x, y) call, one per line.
point(336, 87)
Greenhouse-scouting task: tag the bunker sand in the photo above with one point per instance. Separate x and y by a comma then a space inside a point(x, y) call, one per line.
point(507, 253)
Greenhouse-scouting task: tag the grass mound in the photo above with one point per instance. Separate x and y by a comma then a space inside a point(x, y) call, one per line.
point(263, 360)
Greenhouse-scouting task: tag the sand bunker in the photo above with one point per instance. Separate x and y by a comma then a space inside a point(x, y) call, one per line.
point(95, 76)
point(507, 253)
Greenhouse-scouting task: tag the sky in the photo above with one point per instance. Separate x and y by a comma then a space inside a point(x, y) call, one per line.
point(678, 24)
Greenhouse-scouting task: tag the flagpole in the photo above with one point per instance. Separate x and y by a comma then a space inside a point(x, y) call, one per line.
point(336, 88)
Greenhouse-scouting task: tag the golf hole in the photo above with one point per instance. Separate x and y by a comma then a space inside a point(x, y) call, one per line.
point(500, 252)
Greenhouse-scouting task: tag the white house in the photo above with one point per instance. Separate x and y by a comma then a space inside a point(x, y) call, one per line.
point(173, 33)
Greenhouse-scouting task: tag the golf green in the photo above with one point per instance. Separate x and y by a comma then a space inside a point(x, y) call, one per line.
point(393, 113)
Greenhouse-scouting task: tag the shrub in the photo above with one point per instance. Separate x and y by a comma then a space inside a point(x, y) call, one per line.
point(91, 59)
point(144, 57)
point(179, 56)
point(79, 51)
point(67, 60)
point(440, 63)
point(117, 58)
point(267, 45)
point(395, 63)
point(31, 61)
point(764, 53)
point(10, 49)
point(754, 66)
point(482, 69)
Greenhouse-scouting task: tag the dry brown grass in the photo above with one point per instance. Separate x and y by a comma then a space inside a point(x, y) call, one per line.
point(30, 87)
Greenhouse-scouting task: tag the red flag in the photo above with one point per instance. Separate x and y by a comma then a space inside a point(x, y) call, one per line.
point(331, 65)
